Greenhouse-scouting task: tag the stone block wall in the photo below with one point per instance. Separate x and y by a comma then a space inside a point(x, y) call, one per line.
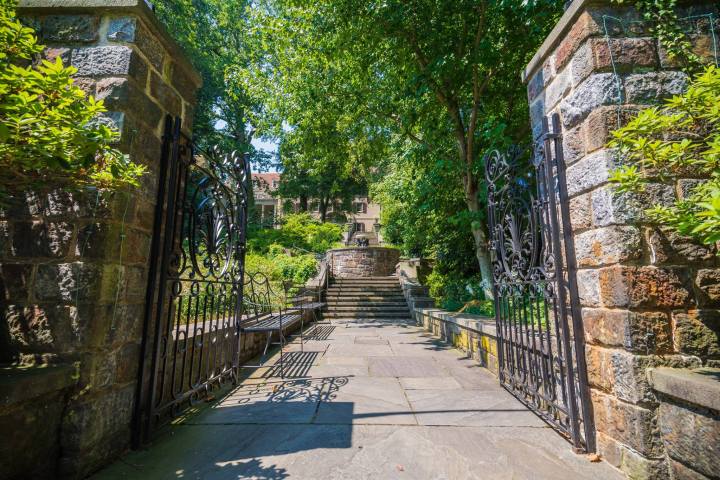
point(689, 419)
point(416, 294)
point(649, 297)
point(74, 264)
point(363, 262)
point(474, 335)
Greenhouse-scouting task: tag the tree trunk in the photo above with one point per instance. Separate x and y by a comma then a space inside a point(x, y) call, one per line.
point(323, 209)
point(482, 251)
point(470, 184)
point(483, 256)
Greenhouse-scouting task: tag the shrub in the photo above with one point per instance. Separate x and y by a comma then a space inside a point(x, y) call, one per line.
point(459, 294)
point(298, 231)
point(299, 269)
point(49, 129)
point(280, 266)
point(680, 139)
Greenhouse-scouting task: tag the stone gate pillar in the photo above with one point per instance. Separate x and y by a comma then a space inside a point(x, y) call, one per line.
point(649, 297)
point(74, 266)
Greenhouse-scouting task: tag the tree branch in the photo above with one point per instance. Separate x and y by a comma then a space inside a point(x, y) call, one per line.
point(477, 88)
point(406, 131)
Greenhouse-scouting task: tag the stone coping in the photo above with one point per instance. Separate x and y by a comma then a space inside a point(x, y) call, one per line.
point(478, 323)
point(556, 35)
point(136, 7)
point(19, 384)
point(561, 29)
point(700, 386)
point(354, 249)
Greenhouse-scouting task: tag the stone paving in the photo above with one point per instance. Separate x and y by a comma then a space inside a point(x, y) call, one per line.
point(374, 399)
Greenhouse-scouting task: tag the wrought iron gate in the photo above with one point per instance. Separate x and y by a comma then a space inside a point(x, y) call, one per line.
point(541, 347)
point(194, 297)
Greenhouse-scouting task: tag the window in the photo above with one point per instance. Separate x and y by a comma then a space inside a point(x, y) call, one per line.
point(275, 184)
point(359, 227)
point(360, 207)
point(315, 206)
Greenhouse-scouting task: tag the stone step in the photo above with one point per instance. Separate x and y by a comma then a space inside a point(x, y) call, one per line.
point(354, 303)
point(367, 285)
point(373, 320)
point(368, 308)
point(384, 295)
point(366, 279)
point(365, 282)
point(363, 298)
point(366, 314)
point(396, 291)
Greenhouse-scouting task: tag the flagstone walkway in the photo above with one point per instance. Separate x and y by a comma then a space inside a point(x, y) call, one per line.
point(374, 399)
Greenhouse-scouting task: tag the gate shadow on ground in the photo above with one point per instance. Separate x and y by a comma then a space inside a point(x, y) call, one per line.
point(248, 469)
point(274, 417)
point(268, 417)
point(245, 433)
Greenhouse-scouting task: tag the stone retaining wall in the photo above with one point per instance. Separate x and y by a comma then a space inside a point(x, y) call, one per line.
point(473, 334)
point(649, 297)
point(74, 265)
point(363, 261)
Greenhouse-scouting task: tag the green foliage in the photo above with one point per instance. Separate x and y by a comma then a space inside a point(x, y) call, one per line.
point(289, 253)
point(49, 129)
point(214, 34)
point(422, 84)
point(299, 232)
point(280, 266)
point(326, 177)
point(680, 139)
point(424, 216)
point(663, 18)
point(453, 293)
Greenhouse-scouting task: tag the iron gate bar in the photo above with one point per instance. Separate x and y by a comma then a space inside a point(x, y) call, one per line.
point(541, 360)
point(167, 243)
point(576, 311)
point(562, 302)
point(195, 295)
point(152, 276)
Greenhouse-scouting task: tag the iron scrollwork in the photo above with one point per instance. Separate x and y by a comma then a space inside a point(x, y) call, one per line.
point(539, 360)
point(515, 220)
point(200, 286)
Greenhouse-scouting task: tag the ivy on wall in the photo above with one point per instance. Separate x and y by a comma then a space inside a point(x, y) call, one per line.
point(665, 25)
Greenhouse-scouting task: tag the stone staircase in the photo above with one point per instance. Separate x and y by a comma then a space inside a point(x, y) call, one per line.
point(372, 298)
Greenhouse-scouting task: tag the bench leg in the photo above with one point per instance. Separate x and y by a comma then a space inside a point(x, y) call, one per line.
point(282, 347)
point(267, 345)
point(315, 319)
